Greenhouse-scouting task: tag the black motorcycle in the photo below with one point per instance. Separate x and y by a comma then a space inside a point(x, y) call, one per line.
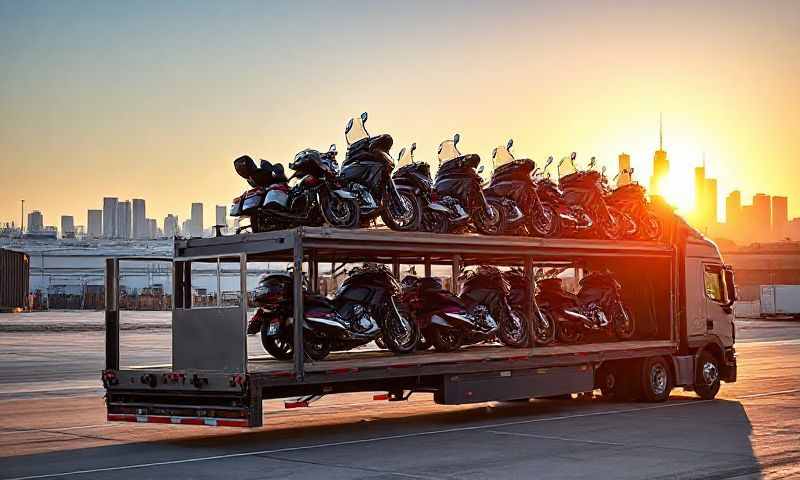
point(316, 199)
point(573, 221)
point(367, 174)
point(415, 178)
point(484, 292)
point(519, 296)
point(459, 186)
point(513, 179)
point(363, 309)
point(260, 178)
point(631, 199)
point(444, 321)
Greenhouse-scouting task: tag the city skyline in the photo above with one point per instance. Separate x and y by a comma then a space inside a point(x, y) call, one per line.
point(141, 114)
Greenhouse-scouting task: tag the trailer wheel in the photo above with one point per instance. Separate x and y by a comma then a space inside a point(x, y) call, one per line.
point(619, 381)
point(707, 377)
point(656, 379)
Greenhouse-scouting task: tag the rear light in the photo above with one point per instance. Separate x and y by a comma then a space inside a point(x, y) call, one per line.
point(110, 377)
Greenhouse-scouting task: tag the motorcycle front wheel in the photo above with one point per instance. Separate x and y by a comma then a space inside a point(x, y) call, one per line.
point(339, 212)
point(544, 328)
point(490, 224)
point(569, 332)
point(623, 323)
point(543, 222)
point(407, 220)
point(514, 330)
point(400, 332)
point(649, 227)
point(611, 228)
point(279, 346)
point(446, 339)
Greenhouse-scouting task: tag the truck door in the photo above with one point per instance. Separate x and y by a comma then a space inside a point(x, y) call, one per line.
point(719, 314)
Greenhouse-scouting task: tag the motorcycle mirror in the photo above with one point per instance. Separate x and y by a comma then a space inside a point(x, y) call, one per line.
point(510, 144)
point(349, 126)
point(413, 147)
point(549, 161)
point(333, 148)
point(480, 169)
point(630, 170)
point(456, 139)
point(592, 162)
point(402, 151)
point(573, 156)
point(494, 153)
point(364, 117)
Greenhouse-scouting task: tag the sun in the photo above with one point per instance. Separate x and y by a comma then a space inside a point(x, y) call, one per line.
point(678, 191)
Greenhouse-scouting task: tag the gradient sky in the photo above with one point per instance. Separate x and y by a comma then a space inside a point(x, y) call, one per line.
point(155, 99)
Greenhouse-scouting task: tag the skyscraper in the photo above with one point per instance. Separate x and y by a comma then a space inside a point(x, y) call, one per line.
point(170, 225)
point(123, 223)
point(624, 177)
point(222, 216)
point(186, 228)
point(710, 192)
point(660, 162)
point(35, 222)
point(109, 217)
point(67, 226)
point(139, 218)
point(152, 228)
point(733, 209)
point(780, 217)
point(94, 222)
point(700, 207)
point(197, 220)
point(761, 217)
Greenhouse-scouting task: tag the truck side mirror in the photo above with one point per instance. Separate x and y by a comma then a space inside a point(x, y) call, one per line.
point(730, 287)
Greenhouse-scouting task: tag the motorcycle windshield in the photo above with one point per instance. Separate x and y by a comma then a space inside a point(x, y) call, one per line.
point(355, 131)
point(501, 156)
point(566, 167)
point(406, 158)
point(624, 178)
point(448, 151)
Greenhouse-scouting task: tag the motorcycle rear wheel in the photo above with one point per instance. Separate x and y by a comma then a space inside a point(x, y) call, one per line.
point(514, 331)
point(408, 221)
point(279, 346)
point(487, 225)
point(624, 325)
point(544, 328)
point(446, 339)
point(543, 222)
point(400, 332)
point(611, 228)
point(568, 332)
point(339, 212)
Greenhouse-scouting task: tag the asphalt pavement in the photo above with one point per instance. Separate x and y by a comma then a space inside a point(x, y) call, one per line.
point(54, 424)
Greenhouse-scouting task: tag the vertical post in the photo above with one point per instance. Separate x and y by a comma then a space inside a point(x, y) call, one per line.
point(396, 268)
point(299, 354)
point(219, 283)
point(243, 294)
point(456, 270)
point(112, 314)
point(313, 266)
point(531, 309)
point(427, 266)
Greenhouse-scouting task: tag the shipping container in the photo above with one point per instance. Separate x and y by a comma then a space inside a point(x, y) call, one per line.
point(14, 275)
point(780, 300)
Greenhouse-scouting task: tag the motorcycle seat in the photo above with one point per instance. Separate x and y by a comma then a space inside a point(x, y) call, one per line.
point(382, 142)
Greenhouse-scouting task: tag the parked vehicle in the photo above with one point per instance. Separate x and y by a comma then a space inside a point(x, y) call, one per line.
point(367, 174)
point(415, 177)
point(583, 190)
point(484, 292)
point(598, 307)
point(363, 309)
point(316, 199)
point(573, 220)
point(513, 179)
point(631, 199)
point(519, 297)
point(459, 187)
point(444, 321)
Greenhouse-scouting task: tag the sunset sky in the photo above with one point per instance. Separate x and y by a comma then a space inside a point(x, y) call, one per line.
point(155, 99)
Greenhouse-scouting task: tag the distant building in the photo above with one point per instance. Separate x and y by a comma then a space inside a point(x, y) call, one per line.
point(152, 228)
point(35, 222)
point(710, 193)
point(196, 220)
point(793, 229)
point(733, 209)
point(624, 177)
point(171, 225)
point(139, 219)
point(780, 217)
point(660, 163)
point(762, 217)
point(110, 217)
point(67, 226)
point(123, 223)
point(222, 216)
point(94, 220)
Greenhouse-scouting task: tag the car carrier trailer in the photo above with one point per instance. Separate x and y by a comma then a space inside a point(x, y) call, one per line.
point(684, 337)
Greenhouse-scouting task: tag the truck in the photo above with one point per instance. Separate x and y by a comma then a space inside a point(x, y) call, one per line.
point(679, 290)
point(780, 300)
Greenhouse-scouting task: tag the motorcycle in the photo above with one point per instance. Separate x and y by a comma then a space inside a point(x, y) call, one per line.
point(363, 309)
point(484, 292)
point(631, 199)
point(459, 187)
point(583, 190)
point(315, 200)
point(259, 178)
point(415, 177)
point(573, 221)
point(513, 179)
point(519, 296)
point(367, 174)
point(443, 319)
point(597, 307)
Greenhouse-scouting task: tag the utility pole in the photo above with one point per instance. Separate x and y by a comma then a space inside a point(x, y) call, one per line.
point(22, 220)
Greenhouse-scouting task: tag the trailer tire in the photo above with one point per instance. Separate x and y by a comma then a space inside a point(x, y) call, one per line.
point(707, 377)
point(619, 381)
point(656, 379)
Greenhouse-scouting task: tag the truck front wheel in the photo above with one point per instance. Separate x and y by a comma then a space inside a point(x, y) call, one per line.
point(707, 378)
point(656, 378)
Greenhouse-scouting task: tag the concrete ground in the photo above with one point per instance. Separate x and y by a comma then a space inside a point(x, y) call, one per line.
point(53, 424)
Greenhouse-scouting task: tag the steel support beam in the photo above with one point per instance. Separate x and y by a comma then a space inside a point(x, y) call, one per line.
point(112, 314)
point(299, 318)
